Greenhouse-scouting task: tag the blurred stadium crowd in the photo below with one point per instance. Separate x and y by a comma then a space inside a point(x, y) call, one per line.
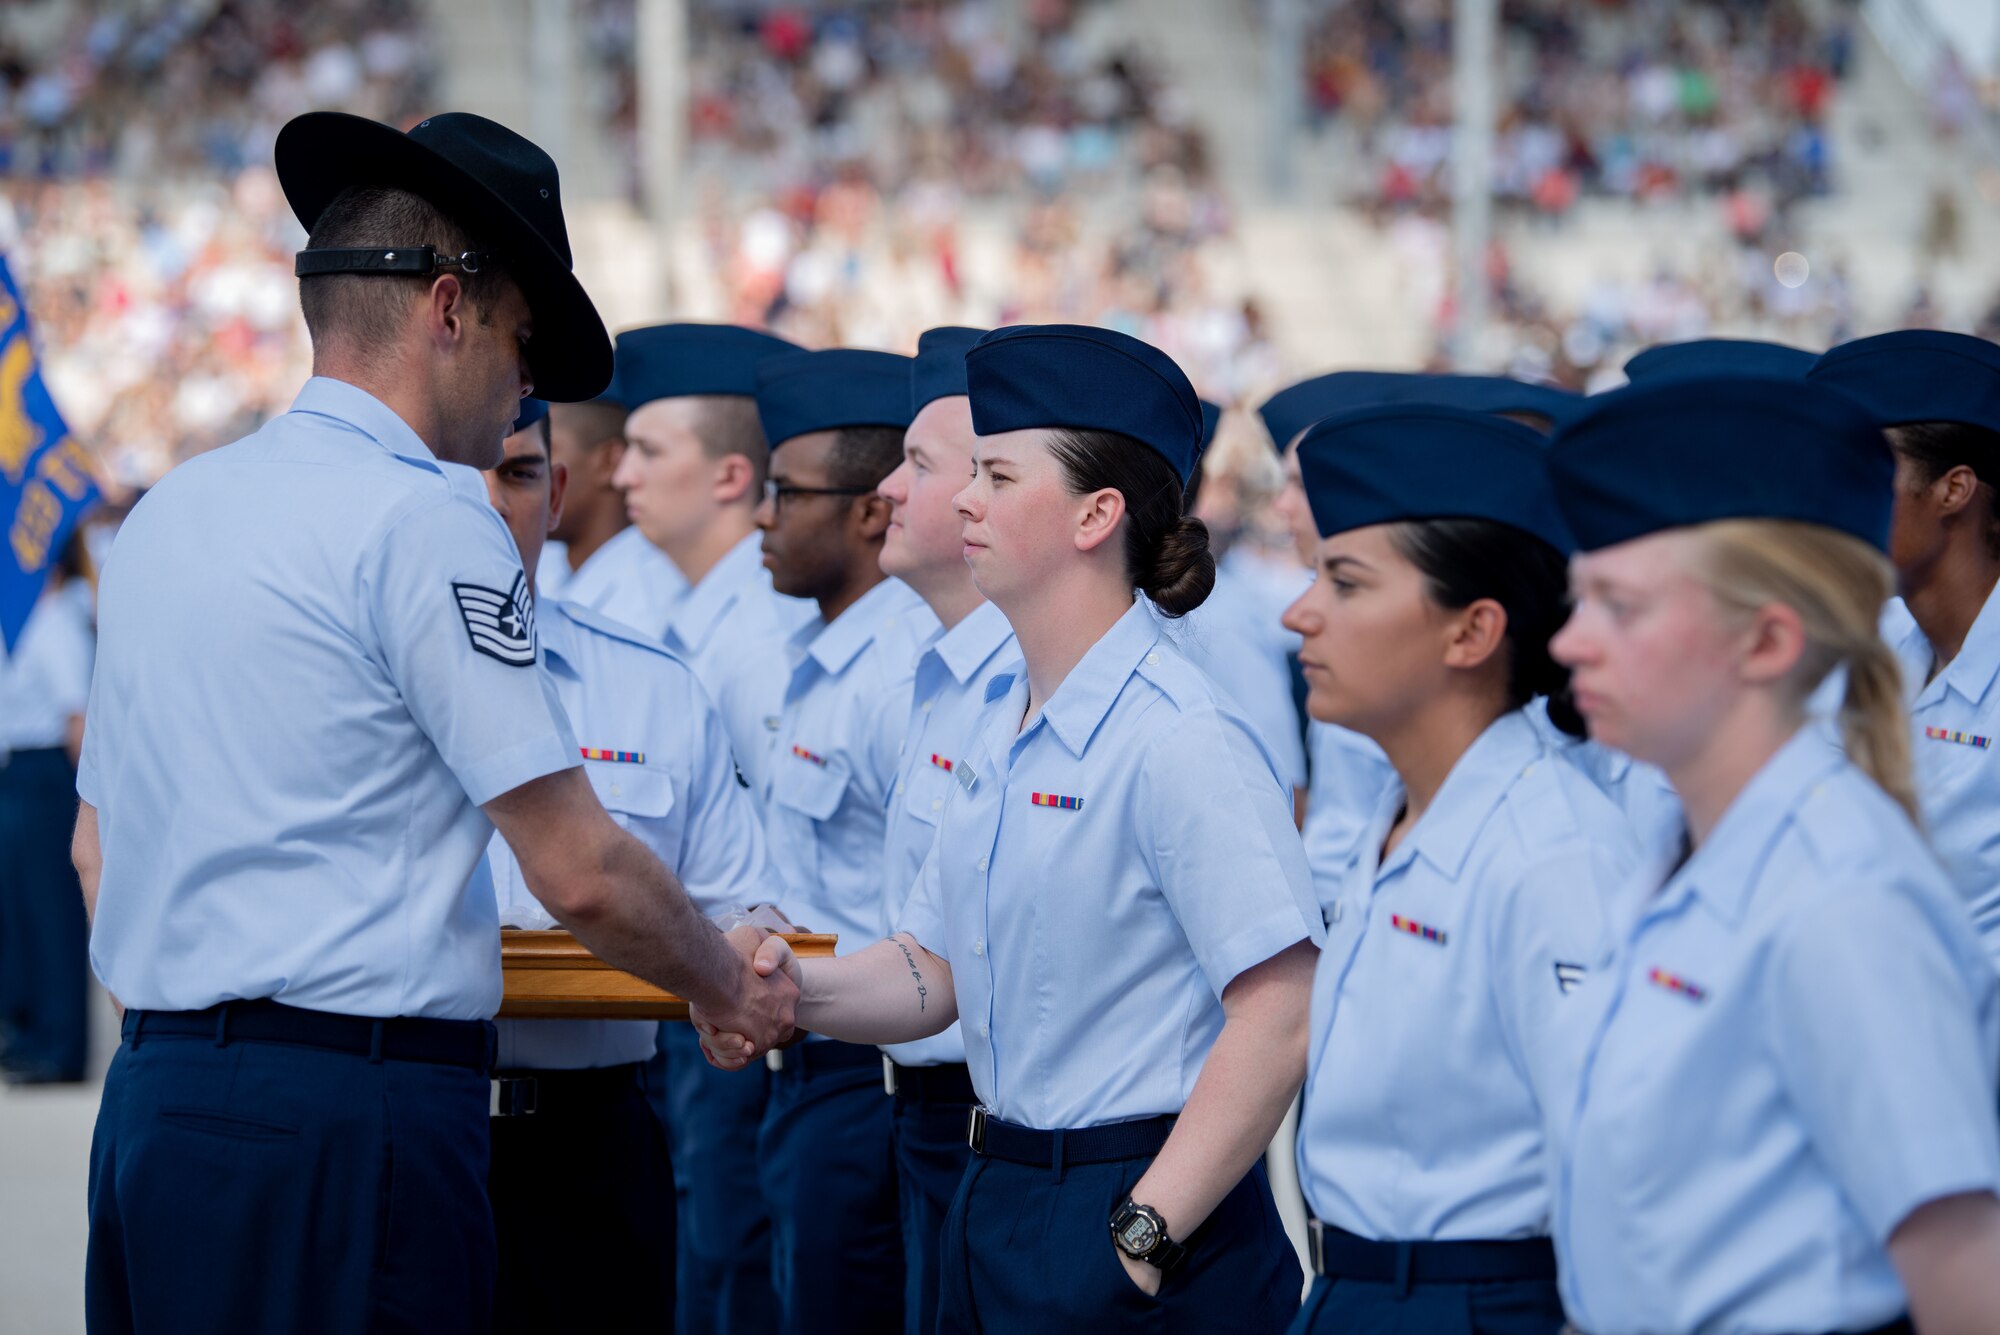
point(841, 156)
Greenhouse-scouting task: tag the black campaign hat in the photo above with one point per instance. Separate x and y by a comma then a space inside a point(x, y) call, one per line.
point(490, 181)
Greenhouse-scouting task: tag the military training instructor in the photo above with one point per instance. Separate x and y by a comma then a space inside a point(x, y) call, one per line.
point(316, 698)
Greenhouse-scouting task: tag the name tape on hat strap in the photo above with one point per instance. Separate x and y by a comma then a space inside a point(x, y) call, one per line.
point(418, 261)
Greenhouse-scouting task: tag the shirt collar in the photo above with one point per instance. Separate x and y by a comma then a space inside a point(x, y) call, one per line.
point(966, 647)
point(702, 607)
point(1722, 870)
point(1470, 793)
point(367, 414)
point(1087, 693)
point(605, 558)
point(1972, 672)
point(837, 643)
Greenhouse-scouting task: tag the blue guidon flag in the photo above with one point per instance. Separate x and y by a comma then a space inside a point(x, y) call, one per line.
point(500, 625)
point(46, 479)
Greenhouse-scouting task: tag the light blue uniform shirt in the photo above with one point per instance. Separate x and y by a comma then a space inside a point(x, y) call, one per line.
point(1793, 1046)
point(826, 799)
point(735, 631)
point(1641, 791)
point(315, 662)
point(1442, 969)
point(1349, 776)
point(947, 701)
point(1092, 929)
point(1235, 637)
point(627, 579)
point(675, 790)
point(46, 680)
point(1956, 717)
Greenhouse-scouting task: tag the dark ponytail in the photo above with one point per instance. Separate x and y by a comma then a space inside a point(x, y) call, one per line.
point(1166, 552)
point(1464, 560)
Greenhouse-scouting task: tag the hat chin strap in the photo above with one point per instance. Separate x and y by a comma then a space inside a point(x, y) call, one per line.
point(416, 261)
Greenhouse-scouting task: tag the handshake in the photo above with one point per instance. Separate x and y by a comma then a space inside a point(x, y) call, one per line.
point(766, 1008)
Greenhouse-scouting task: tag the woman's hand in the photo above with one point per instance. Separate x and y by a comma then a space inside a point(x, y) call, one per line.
point(1142, 1273)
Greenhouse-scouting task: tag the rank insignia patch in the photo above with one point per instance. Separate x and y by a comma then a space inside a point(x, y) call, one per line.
point(1416, 929)
point(615, 757)
point(1677, 984)
point(1961, 738)
point(1053, 800)
point(500, 625)
point(1569, 977)
point(804, 754)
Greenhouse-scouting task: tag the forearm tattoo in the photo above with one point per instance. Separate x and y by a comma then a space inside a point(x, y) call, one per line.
point(923, 993)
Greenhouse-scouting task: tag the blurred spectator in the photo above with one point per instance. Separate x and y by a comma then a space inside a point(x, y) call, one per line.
point(837, 153)
point(1648, 100)
point(138, 210)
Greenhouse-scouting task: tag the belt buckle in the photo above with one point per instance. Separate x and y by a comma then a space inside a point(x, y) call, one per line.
point(1316, 1245)
point(517, 1096)
point(889, 1075)
point(975, 1129)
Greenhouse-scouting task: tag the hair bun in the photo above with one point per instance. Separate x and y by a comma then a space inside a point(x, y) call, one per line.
point(1183, 568)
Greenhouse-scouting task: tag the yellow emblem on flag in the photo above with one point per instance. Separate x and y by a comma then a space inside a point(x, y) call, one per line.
point(20, 435)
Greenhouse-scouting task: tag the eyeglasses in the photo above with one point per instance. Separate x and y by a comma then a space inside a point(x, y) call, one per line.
point(775, 494)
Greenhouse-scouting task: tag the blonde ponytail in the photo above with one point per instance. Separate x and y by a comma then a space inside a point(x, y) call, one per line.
point(1837, 584)
point(1875, 726)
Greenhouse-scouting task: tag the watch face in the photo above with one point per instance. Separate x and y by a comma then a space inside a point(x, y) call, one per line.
point(1138, 1235)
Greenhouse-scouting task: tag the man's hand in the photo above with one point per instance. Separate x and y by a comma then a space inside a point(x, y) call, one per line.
point(724, 1042)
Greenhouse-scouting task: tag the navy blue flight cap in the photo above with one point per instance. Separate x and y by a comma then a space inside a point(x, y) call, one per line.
point(938, 372)
point(1394, 462)
point(532, 411)
point(1211, 417)
point(1720, 356)
point(800, 392)
point(1292, 410)
point(1918, 375)
point(1684, 451)
point(1086, 379)
point(671, 361)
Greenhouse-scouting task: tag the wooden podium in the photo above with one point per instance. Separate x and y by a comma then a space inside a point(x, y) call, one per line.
point(550, 976)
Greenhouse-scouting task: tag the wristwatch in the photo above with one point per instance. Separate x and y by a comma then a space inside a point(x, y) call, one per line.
point(1142, 1235)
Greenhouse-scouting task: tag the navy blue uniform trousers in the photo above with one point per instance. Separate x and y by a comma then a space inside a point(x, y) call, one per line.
point(1354, 1307)
point(1029, 1249)
point(828, 1169)
point(583, 1204)
point(931, 1158)
point(712, 1119)
point(254, 1186)
point(44, 936)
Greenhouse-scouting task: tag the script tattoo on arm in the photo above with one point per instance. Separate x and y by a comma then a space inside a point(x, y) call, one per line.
point(923, 993)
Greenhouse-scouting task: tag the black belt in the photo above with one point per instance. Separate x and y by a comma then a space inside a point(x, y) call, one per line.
point(555, 1093)
point(1336, 1253)
point(1900, 1326)
point(51, 758)
point(996, 1139)
point(822, 1058)
point(405, 1038)
point(949, 1083)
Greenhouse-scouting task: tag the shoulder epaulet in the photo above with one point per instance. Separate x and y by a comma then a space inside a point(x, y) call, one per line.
point(1841, 821)
point(591, 619)
point(1547, 801)
point(1170, 672)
